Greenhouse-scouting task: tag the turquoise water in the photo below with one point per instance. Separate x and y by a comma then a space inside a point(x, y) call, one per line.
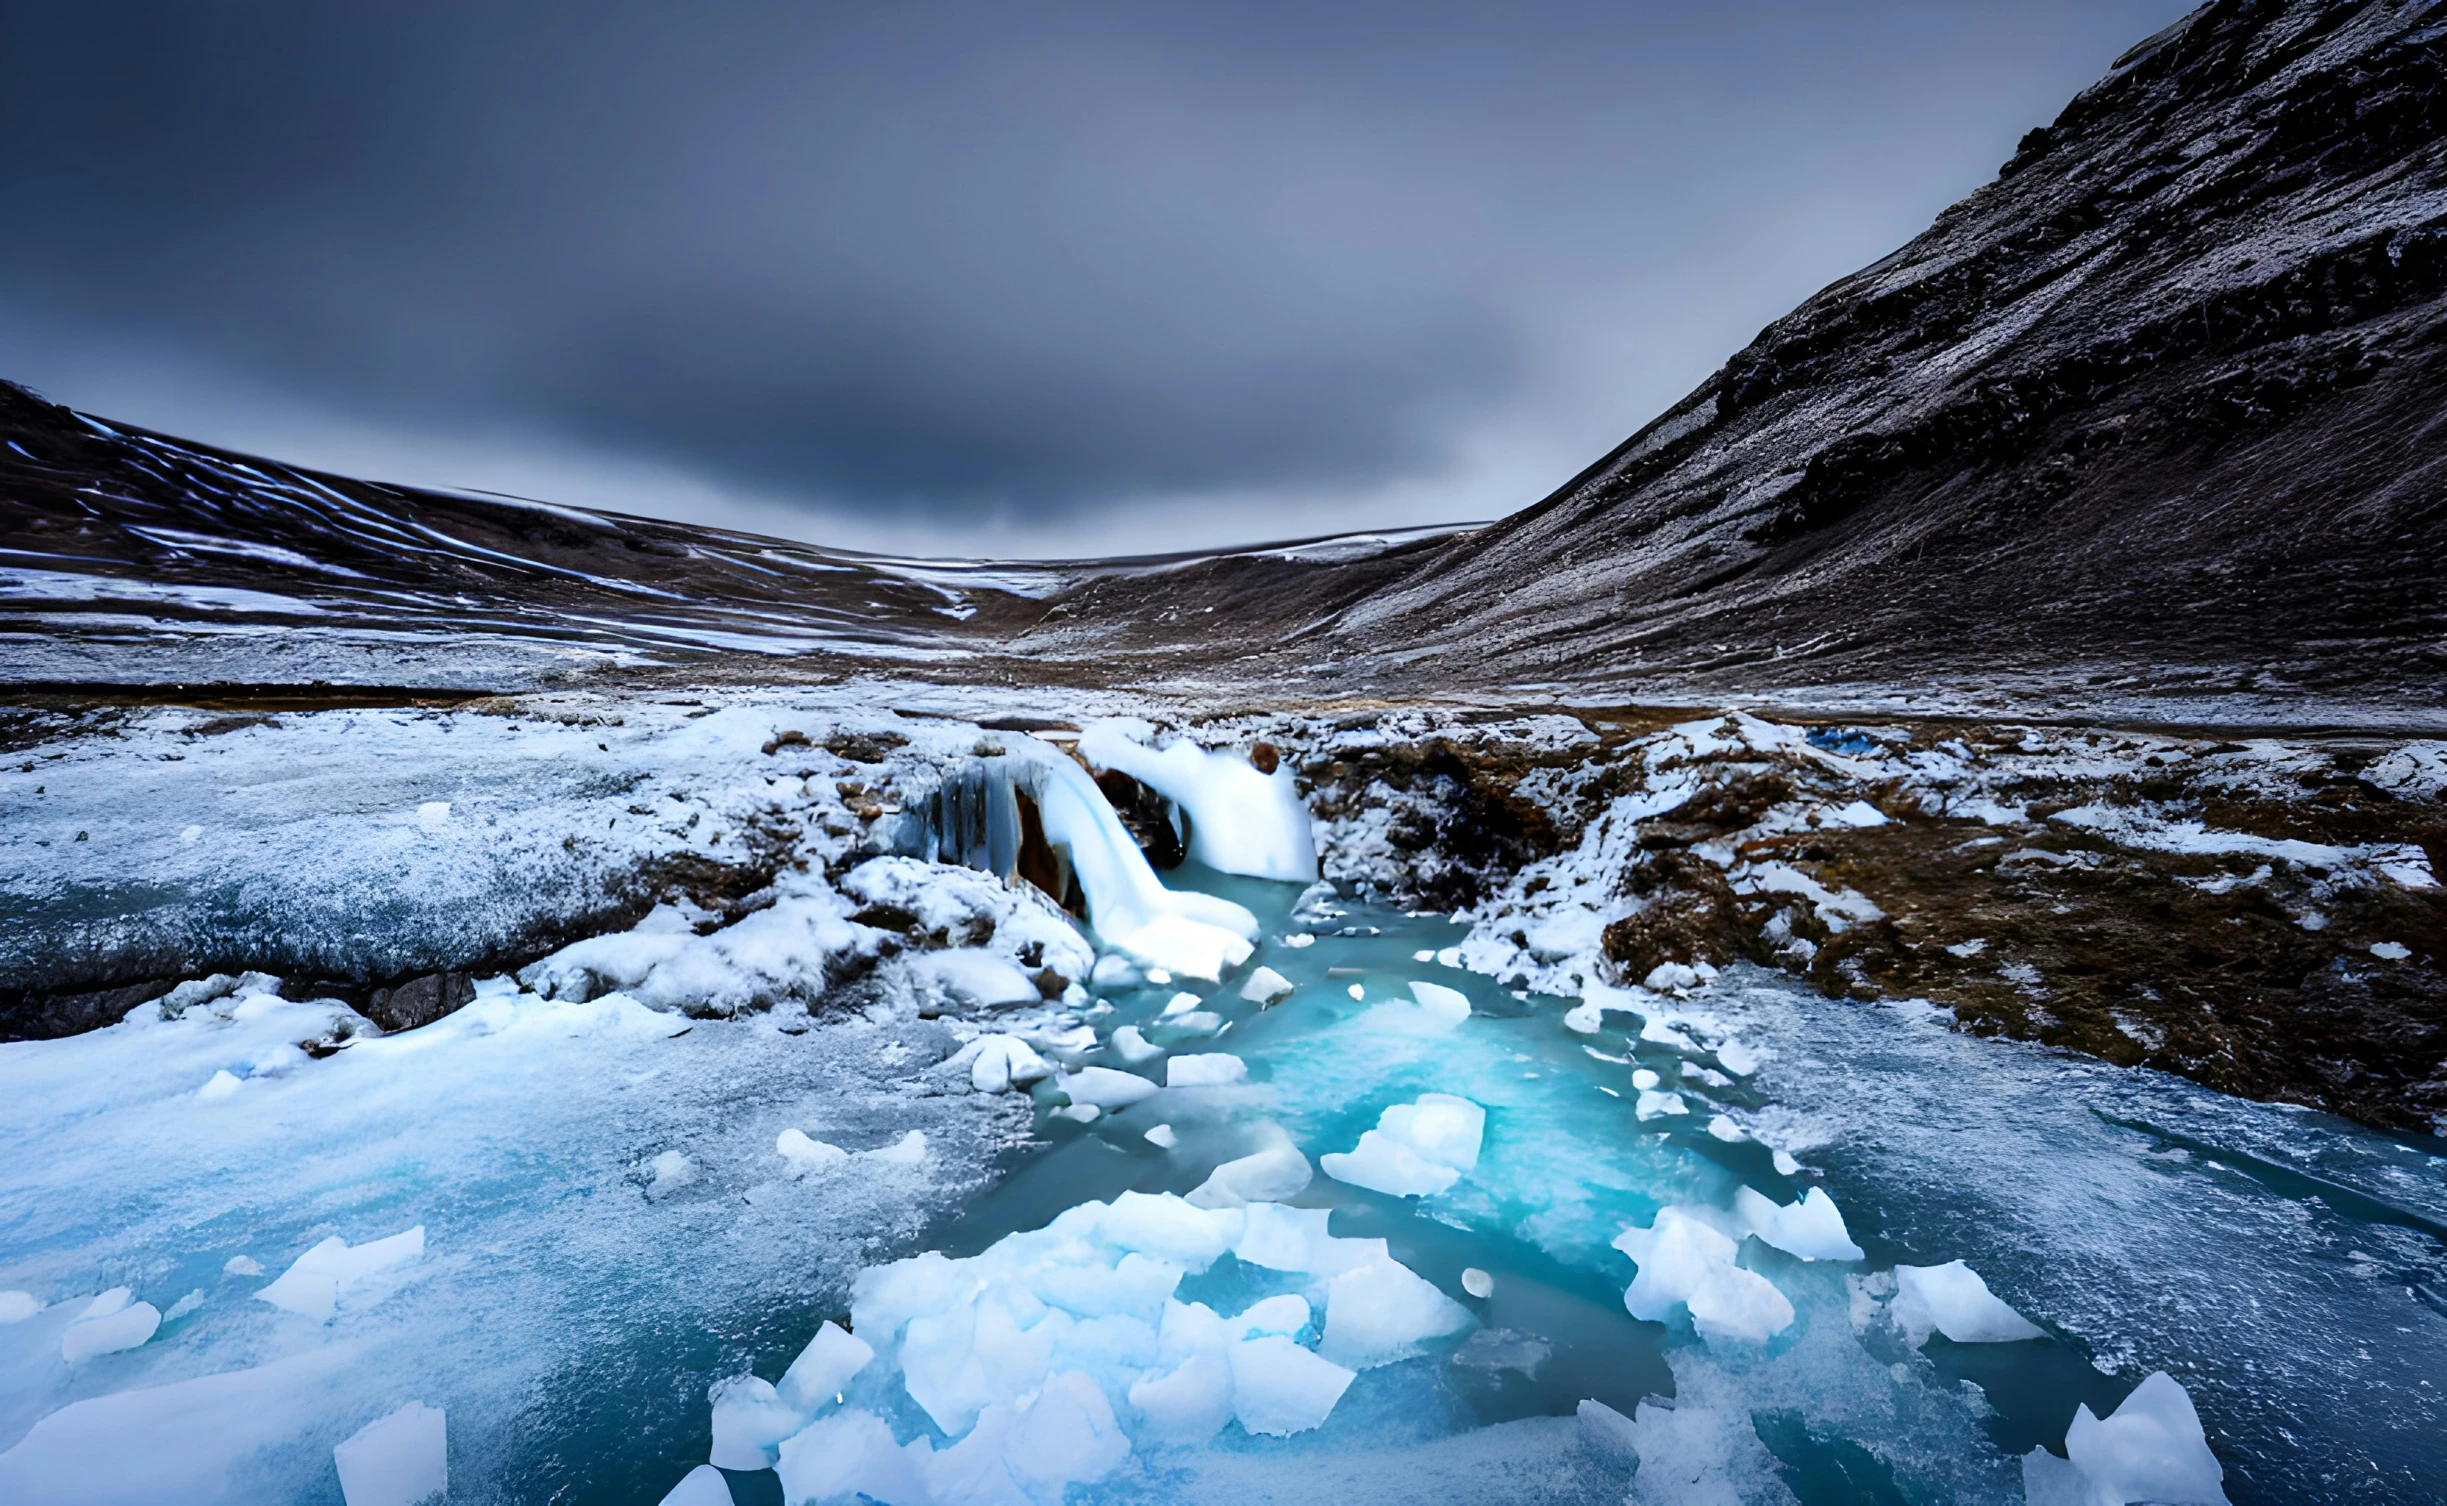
point(2291, 1288)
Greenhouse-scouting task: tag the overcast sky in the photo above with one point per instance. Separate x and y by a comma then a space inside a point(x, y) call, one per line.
point(996, 278)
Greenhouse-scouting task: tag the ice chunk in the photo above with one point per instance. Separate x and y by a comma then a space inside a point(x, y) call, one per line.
point(242, 1265)
point(1279, 1388)
point(183, 1306)
point(1445, 1129)
point(1104, 1087)
point(1216, 1070)
point(1066, 1434)
point(1269, 1176)
point(397, 1460)
point(1240, 820)
point(1607, 1433)
point(672, 1171)
point(1003, 1062)
point(1383, 1164)
point(1080, 1113)
point(1448, 1005)
point(806, 1155)
point(1286, 1314)
point(110, 1323)
point(1503, 1349)
point(1658, 1105)
point(976, 977)
point(848, 1454)
point(220, 1085)
point(1280, 1238)
point(315, 1282)
point(750, 1417)
point(1181, 1004)
point(1114, 973)
point(1952, 1299)
point(1812, 1228)
point(1666, 976)
point(1132, 1047)
point(702, 1486)
point(1417, 1149)
point(1432, 1009)
point(1162, 1137)
point(16, 1307)
point(1644, 1079)
point(1180, 944)
point(1684, 1260)
point(1266, 987)
point(1188, 1404)
point(909, 1150)
point(1382, 1312)
point(2149, 1449)
point(1722, 1127)
point(1197, 1022)
point(823, 1368)
point(2390, 951)
point(114, 1300)
point(1169, 1228)
point(1477, 1283)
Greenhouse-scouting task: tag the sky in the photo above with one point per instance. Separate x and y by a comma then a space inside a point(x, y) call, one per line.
point(1024, 280)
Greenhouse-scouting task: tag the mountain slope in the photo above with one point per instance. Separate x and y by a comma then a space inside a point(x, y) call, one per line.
point(2161, 408)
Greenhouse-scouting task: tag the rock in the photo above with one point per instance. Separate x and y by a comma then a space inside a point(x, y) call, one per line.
point(419, 1001)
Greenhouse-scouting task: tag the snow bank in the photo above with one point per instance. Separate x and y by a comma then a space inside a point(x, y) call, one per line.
point(789, 949)
point(1240, 820)
point(1416, 1150)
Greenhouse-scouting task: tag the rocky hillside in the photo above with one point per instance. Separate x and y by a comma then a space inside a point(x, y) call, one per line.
point(2158, 411)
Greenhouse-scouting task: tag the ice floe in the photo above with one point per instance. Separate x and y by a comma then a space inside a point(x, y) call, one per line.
point(1417, 1149)
point(1952, 1299)
point(316, 1281)
point(401, 1459)
point(2151, 1449)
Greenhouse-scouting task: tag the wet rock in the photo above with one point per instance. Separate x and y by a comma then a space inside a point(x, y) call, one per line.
point(419, 1001)
point(35, 1016)
point(1148, 817)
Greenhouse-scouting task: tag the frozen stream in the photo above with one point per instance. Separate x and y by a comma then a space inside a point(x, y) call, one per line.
point(2284, 1266)
point(576, 1294)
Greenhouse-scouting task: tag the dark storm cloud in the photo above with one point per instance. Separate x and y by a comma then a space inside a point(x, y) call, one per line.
point(970, 259)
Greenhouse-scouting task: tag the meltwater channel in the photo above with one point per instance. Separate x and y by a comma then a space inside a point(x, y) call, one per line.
point(2285, 1267)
